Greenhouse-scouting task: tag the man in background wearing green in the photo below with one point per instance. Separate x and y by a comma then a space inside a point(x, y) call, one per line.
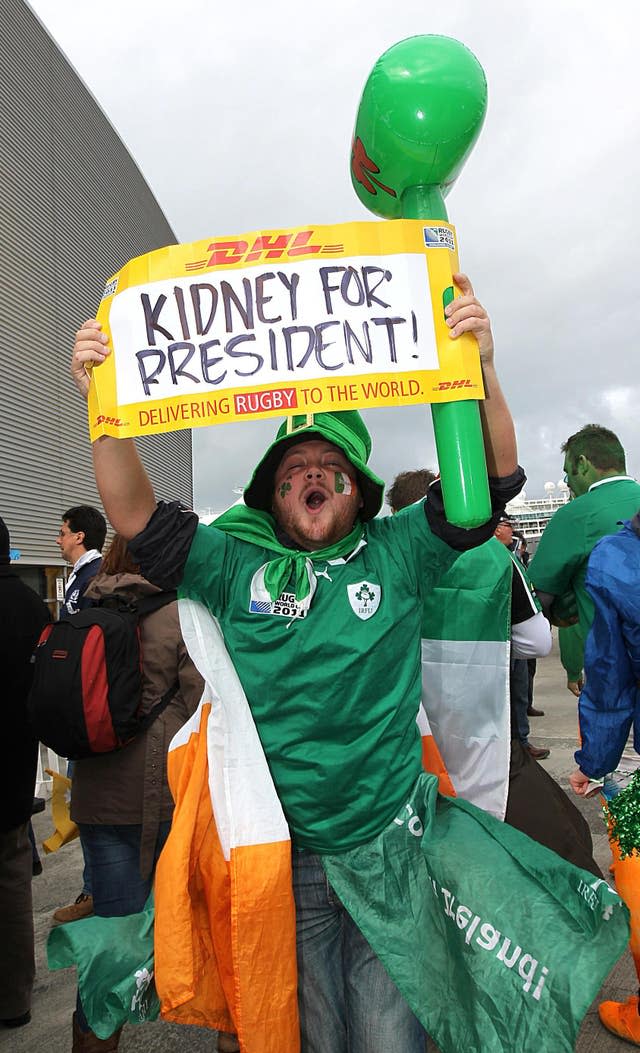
point(595, 470)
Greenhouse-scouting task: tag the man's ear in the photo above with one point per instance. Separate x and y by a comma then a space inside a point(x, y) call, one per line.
point(583, 465)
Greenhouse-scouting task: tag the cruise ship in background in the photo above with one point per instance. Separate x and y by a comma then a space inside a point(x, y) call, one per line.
point(531, 515)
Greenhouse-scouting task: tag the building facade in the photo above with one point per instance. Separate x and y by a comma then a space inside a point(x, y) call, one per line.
point(73, 209)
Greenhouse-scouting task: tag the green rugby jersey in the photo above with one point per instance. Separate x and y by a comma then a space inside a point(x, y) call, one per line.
point(334, 690)
point(560, 561)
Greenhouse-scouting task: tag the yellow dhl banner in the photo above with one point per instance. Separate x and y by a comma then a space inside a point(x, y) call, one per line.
point(282, 321)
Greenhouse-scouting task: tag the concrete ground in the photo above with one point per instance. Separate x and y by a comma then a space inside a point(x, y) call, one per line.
point(54, 992)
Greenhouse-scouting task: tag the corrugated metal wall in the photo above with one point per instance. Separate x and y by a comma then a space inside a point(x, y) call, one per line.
point(73, 209)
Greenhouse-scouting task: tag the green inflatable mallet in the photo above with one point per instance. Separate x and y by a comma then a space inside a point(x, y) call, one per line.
point(421, 112)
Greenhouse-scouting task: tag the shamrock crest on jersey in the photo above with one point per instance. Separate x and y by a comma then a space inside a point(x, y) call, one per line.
point(364, 598)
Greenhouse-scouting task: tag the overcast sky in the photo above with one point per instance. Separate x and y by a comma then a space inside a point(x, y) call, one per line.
point(240, 117)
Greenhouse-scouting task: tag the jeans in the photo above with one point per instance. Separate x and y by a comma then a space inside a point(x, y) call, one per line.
point(347, 1002)
point(113, 856)
point(519, 691)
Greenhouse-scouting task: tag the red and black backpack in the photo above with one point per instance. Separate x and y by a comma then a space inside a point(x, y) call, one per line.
point(87, 682)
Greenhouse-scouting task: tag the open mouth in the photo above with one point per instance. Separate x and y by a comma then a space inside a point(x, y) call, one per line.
point(314, 500)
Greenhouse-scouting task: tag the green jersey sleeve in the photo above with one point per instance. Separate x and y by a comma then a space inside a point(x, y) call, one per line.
point(571, 643)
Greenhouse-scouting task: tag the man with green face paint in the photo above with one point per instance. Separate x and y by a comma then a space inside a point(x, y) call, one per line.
point(604, 494)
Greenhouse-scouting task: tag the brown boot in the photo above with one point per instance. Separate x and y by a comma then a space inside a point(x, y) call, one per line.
point(87, 1042)
point(82, 908)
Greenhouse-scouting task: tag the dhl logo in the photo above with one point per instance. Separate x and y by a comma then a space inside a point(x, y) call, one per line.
point(265, 247)
point(110, 420)
point(446, 385)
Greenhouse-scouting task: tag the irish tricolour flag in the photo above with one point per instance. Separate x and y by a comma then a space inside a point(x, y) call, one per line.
point(225, 951)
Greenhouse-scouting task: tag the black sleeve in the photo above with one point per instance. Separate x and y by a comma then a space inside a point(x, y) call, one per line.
point(501, 491)
point(162, 548)
point(523, 605)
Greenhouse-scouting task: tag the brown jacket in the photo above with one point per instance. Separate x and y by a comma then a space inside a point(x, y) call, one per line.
point(129, 786)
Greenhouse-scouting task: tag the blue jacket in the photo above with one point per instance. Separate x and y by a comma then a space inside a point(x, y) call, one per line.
point(610, 700)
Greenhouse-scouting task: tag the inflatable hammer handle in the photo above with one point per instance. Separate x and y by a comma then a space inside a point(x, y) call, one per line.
point(463, 467)
point(420, 114)
point(456, 425)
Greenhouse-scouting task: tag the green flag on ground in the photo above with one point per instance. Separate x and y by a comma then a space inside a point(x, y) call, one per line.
point(114, 958)
point(497, 943)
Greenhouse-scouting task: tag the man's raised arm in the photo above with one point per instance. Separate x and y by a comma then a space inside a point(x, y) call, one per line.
point(125, 489)
point(465, 314)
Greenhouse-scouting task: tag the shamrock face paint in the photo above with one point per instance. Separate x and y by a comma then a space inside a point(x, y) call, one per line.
point(342, 484)
point(315, 494)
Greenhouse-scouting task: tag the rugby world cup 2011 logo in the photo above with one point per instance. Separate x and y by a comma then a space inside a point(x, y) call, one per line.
point(364, 599)
point(286, 605)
